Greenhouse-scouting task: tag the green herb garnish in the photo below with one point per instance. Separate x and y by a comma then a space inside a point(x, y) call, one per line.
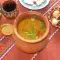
point(42, 25)
point(31, 33)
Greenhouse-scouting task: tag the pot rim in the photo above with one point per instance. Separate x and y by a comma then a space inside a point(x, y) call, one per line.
point(37, 40)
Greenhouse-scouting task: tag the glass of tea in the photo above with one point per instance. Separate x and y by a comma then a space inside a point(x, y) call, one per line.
point(9, 9)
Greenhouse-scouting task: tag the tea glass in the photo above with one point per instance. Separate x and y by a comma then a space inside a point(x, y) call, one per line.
point(10, 13)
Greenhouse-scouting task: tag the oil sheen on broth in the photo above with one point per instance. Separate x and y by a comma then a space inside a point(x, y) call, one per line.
point(31, 28)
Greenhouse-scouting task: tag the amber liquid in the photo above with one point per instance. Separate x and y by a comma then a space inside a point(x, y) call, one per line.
point(9, 6)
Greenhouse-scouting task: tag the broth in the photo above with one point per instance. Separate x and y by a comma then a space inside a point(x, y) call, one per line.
point(31, 28)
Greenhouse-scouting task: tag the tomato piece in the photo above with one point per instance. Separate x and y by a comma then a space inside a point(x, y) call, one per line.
point(38, 33)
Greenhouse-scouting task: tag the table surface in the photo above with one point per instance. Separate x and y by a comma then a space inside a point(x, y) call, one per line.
point(52, 50)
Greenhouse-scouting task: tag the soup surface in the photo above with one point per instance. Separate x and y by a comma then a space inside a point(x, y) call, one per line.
point(31, 28)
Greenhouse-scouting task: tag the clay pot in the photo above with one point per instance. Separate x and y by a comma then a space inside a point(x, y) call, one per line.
point(30, 46)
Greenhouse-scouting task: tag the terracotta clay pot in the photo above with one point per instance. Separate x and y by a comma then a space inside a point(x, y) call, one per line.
point(30, 46)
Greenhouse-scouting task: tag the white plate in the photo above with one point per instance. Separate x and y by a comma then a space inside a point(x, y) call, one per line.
point(35, 7)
